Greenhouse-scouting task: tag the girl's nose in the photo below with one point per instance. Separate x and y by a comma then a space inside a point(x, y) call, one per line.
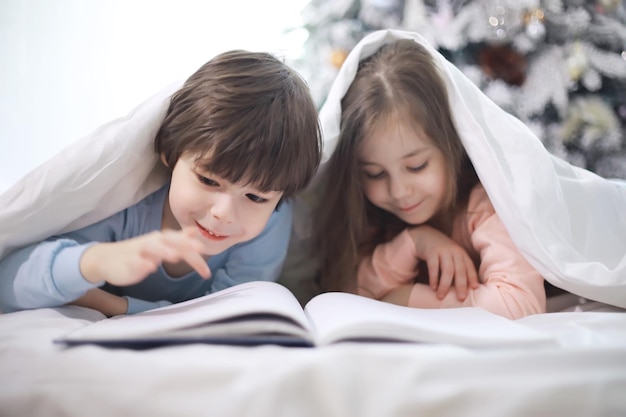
point(223, 208)
point(399, 188)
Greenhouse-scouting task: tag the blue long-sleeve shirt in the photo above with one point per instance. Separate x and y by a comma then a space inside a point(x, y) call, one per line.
point(47, 274)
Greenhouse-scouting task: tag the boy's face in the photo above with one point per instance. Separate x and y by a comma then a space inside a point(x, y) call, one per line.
point(223, 212)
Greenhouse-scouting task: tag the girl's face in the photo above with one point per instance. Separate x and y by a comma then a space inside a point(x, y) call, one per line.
point(223, 212)
point(402, 172)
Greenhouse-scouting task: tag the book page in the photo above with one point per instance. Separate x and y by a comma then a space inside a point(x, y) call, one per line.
point(342, 316)
point(252, 298)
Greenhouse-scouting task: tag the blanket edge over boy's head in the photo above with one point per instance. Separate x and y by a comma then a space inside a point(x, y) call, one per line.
point(93, 178)
point(569, 223)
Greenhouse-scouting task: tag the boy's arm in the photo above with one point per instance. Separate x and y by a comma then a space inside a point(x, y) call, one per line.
point(113, 305)
point(129, 261)
point(46, 274)
point(107, 303)
point(62, 269)
point(260, 259)
point(52, 273)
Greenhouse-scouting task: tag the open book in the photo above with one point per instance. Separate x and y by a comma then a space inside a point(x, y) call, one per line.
point(267, 313)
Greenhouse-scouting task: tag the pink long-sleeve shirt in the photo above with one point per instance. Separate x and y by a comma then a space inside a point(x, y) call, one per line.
point(510, 286)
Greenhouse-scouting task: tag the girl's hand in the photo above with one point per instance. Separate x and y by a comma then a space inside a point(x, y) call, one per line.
point(398, 295)
point(447, 262)
point(129, 261)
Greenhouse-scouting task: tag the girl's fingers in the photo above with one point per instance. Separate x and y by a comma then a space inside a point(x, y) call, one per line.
point(447, 274)
point(460, 279)
point(472, 275)
point(433, 272)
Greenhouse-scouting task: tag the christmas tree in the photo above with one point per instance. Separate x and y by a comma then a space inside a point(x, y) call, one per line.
point(557, 65)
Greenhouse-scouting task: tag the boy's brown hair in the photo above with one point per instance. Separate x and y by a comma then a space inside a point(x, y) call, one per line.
point(249, 118)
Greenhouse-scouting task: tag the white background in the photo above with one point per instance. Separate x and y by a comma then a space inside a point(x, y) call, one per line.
point(68, 66)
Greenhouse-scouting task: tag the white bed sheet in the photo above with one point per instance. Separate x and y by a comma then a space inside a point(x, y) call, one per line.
point(584, 375)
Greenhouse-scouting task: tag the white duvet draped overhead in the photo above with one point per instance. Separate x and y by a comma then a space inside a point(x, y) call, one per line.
point(93, 178)
point(568, 222)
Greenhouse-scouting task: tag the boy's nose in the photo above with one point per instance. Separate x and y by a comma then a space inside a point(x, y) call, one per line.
point(223, 208)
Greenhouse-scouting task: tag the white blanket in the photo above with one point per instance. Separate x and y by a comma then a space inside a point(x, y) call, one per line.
point(93, 178)
point(576, 241)
point(568, 222)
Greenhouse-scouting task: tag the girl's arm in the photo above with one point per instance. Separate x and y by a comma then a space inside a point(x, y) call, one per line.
point(448, 262)
point(394, 264)
point(510, 287)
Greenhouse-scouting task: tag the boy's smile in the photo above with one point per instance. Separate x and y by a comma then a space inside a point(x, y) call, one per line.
point(210, 234)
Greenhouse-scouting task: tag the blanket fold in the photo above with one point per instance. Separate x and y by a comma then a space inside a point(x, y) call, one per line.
point(100, 174)
point(568, 222)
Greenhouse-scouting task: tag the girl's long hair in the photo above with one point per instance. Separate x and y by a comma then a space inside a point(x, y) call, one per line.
point(399, 81)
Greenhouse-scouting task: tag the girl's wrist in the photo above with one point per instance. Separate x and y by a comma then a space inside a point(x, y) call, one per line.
point(399, 295)
point(418, 236)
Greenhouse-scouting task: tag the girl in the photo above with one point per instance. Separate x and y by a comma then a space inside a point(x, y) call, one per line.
point(406, 219)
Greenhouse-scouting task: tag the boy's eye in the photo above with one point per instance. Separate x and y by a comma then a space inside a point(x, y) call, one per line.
point(256, 199)
point(207, 181)
point(418, 167)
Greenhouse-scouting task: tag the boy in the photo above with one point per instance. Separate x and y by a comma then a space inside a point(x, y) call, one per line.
point(240, 137)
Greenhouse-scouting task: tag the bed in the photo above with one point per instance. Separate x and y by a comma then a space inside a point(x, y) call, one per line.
point(585, 375)
point(582, 374)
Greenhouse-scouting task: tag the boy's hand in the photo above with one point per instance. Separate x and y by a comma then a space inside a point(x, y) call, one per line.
point(129, 261)
point(106, 303)
point(447, 261)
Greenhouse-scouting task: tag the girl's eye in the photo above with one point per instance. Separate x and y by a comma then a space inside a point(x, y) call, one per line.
point(207, 181)
point(256, 199)
point(418, 168)
point(374, 176)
